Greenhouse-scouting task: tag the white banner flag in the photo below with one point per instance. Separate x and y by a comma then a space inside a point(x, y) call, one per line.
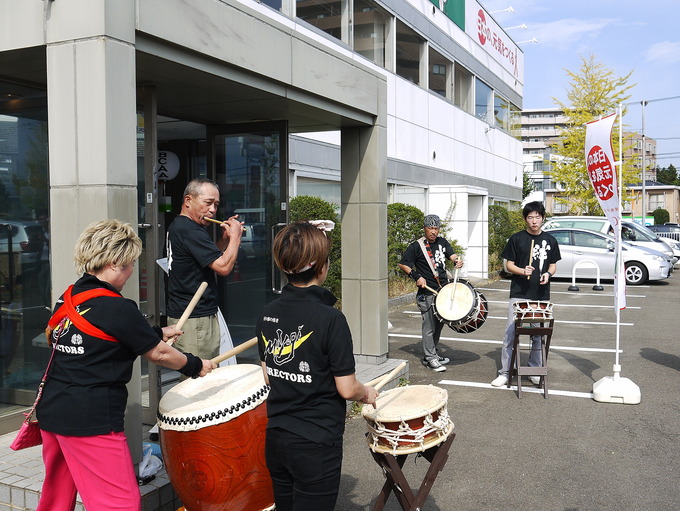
point(602, 173)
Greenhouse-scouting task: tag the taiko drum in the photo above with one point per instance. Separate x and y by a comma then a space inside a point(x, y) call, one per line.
point(212, 433)
point(408, 419)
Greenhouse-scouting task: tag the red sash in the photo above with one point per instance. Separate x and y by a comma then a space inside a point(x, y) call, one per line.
point(69, 310)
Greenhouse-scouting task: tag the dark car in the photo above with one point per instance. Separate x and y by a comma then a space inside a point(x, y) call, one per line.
point(667, 230)
point(27, 242)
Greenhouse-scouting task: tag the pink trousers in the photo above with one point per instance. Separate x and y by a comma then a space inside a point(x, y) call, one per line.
point(98, 467)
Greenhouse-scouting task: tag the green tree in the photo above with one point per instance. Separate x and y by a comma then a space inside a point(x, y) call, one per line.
point(527, 185)
point(502, 225)
point(306, 207)
point(404, 225)
point(594, 91)
point(667, 175)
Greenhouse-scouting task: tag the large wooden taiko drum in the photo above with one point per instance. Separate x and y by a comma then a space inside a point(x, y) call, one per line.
point(212, 433)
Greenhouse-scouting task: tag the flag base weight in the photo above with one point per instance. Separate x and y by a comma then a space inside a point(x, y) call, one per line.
point(616, 390)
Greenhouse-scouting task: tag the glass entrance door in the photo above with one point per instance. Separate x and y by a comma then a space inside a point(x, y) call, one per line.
point(250, 165)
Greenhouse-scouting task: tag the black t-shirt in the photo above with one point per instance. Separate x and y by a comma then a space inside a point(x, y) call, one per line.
point(413, 257)
point(546, 252)
point(190, 251)
point(85, 393)
point(305, 343)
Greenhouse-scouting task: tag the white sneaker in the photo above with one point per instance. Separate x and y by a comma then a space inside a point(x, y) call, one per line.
point(536, 380)
point(500, 381)
point(434, 364)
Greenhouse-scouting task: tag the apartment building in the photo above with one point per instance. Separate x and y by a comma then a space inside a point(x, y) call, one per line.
point(541, 128)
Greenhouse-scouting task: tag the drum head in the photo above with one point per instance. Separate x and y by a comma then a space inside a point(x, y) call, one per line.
point(477, 320)
point(406, 403)
point(456, 301)
point(220, 396)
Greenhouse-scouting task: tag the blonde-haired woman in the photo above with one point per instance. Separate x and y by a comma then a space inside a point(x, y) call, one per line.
point(306, 351)
point(96, 335)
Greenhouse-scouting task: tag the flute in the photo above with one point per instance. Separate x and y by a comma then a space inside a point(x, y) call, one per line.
point(215, 221)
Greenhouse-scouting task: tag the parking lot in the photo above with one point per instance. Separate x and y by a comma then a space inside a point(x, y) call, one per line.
point(567, 452)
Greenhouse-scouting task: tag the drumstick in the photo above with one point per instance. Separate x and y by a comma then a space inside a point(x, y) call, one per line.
point(455, 281)
point(531, 256)
point(374, 381)
point(431, 290)
point(234, 351)
point(216, 221)
point(190, 308)
point(389, 376)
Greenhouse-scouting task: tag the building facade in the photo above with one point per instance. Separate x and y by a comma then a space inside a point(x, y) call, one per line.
point(109, 107)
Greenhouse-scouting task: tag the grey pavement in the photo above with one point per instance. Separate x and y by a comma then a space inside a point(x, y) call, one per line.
point(567, 452)
point(564, 453)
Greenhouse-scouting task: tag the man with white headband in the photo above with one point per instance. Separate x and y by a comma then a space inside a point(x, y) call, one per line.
point(425, 262)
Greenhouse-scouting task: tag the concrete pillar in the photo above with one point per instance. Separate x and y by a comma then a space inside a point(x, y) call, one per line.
point(92, 136)
point(364, 239)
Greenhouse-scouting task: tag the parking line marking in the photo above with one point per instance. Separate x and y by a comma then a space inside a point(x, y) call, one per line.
point(570, 305)
point(553, 292)
point(551, 392)
point(606, 323)
point(492, 341)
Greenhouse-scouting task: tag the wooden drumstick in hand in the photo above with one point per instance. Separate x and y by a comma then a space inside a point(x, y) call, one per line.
point(381, 381)
point(234, 351)
point(531, 256)
point(190, 308)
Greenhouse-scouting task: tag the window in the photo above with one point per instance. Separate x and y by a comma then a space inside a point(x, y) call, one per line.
point(560, 207)
point(326, 15)
point(482, 101)
point(657, 201)
point(462, 96)
point(25, 262)
point(370, 24)
point(408, 50)
point(584, 239)
point(438, 81)
point(501, 112)
point(327, 190)
point(562, 237)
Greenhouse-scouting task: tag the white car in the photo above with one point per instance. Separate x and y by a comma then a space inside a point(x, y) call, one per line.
point(641, 264)
point(631, 232)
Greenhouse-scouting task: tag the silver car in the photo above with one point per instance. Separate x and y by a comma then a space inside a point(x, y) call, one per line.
point(641, 264)
point(631, 232)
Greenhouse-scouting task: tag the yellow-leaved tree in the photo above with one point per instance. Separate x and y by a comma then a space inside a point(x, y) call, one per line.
point(594, 92)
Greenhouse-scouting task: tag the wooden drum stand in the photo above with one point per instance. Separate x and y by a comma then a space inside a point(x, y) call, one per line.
point(395, 480)
point(524, 325)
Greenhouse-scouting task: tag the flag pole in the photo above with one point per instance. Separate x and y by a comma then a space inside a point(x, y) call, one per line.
point(616, 389)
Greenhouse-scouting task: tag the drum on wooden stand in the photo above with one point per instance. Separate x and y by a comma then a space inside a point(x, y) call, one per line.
point(533, 309)
point(408, 419)
point(212, 434)
point(456, 303)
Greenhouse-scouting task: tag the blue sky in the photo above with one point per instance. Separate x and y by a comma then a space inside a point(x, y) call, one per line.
point(624, 35)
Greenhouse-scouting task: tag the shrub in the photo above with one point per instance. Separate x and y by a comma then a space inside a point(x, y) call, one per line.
point(661, 216)
point(404, 226)
point(306, 207)
point(502, 225)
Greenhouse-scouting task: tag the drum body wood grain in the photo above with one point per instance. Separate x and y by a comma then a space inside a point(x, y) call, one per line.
point(212, 433)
